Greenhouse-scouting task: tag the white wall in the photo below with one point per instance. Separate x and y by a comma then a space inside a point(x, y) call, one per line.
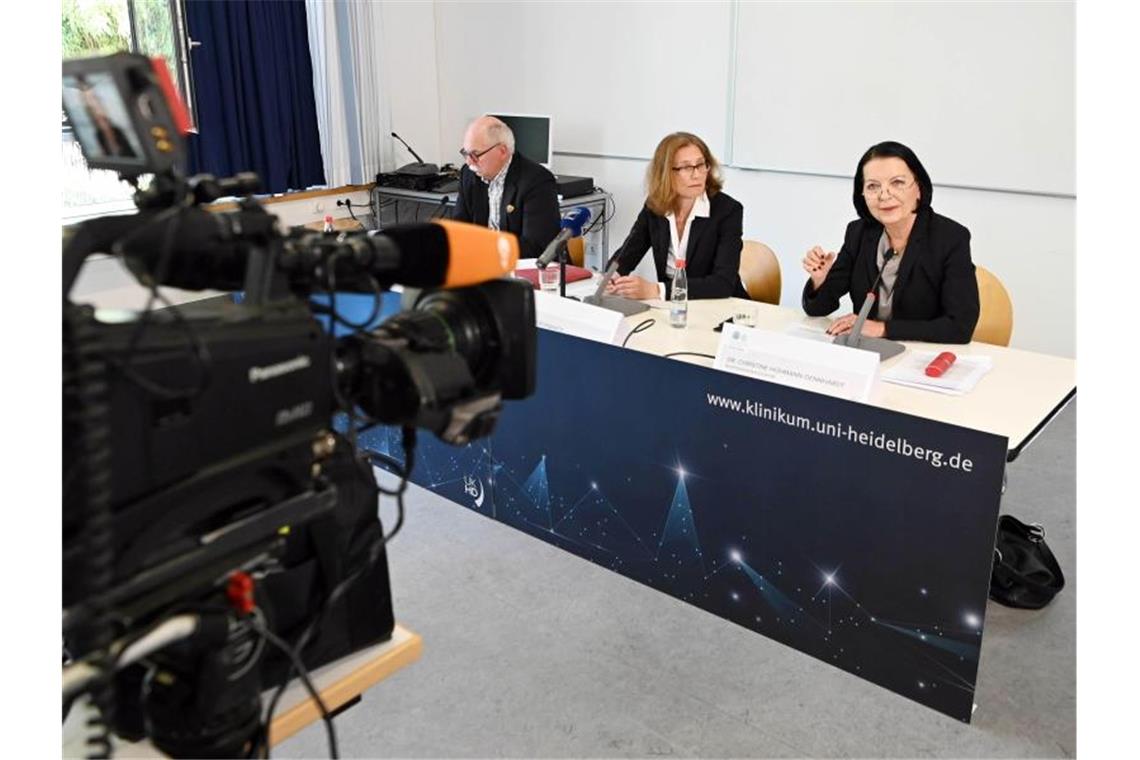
point(583, 64)
point(1026, 238)
point(410, 68)
point(984, 90)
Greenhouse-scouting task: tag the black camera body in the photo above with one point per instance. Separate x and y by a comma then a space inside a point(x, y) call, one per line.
point(211, 476)
point(185, 466)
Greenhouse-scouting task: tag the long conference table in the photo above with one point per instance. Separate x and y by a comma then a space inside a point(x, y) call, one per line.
point(860, 533)
point(1016, 399)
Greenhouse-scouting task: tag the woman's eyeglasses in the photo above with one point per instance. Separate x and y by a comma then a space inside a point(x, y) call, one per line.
point(894, 187)
point(691, 170)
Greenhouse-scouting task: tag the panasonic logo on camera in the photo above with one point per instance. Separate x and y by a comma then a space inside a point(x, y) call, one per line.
point(258, 374)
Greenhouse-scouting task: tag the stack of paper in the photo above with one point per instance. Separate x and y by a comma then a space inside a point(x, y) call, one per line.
point(960, 379)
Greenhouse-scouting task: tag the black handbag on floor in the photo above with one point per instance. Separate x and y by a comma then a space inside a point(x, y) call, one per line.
point(1025, 573)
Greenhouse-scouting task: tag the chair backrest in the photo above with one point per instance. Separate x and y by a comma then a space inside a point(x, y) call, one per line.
point(995, 319)
point(576, 247)
point(760, 272)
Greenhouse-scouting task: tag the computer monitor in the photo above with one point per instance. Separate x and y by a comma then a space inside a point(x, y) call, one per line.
point(532, 135)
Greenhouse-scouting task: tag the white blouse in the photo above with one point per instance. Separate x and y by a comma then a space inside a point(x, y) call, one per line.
point(678, 245)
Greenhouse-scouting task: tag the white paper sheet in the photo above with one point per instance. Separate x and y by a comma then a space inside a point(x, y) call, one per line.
point(960, 379)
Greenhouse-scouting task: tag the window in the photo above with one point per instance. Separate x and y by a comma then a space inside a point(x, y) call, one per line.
point(102, 27)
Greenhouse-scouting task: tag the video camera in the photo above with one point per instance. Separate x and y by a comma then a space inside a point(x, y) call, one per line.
point(220, 527)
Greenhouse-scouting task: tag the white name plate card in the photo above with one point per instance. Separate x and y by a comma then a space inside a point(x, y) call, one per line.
point(825, 368)
point(565, 315)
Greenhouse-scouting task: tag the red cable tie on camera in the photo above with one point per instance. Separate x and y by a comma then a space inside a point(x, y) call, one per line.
point(239, 592)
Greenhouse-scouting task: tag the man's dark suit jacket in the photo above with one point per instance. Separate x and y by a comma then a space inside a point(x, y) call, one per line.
point(529, 208)
point(936, 294)
point(712, 256)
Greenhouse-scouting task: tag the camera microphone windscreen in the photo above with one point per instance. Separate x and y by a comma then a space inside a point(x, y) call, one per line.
point(450, 254)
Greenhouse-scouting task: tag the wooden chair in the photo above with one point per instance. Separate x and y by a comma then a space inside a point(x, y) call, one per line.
point(576, 247)
point(995, 319)
point(760, 272)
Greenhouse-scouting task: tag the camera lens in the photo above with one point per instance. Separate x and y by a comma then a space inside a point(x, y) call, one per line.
point(470, 329)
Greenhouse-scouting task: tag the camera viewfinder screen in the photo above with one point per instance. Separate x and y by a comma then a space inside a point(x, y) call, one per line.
point(100, 120)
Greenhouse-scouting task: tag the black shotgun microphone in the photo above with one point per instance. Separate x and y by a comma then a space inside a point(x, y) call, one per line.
point(212, 251)
point(855, 339)
point(417, 169)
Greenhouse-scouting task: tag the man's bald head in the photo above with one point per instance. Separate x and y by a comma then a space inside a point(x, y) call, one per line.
point(494, 131)
point(492, 141)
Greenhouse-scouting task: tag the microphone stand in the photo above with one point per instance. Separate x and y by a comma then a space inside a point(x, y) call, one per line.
point(563, 254)
point(855, 339)
point(441, 210)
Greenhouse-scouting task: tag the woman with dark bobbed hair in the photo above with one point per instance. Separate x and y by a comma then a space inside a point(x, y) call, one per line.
point(928, 289)
point(686, 216)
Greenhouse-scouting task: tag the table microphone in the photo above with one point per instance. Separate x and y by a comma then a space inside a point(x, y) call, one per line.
point(419, 168)
point(572, 226)
point(854, 337)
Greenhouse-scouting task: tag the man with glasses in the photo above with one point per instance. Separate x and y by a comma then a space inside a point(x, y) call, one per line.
point(505, 190)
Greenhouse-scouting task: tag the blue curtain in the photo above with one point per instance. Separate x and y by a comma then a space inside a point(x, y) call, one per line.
point(253, 82)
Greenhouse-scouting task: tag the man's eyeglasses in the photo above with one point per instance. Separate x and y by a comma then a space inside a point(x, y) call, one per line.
point(894, 187)
point(692, 170)
point(474, 155)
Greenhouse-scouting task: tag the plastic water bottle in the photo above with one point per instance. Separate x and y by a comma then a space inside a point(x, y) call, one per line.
point(679, 296)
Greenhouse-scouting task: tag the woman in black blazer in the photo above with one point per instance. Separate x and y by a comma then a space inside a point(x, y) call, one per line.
point(928, 291)
point(685, 216)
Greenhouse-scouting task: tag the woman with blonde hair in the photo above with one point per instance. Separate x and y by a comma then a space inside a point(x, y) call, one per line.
point(686, 216)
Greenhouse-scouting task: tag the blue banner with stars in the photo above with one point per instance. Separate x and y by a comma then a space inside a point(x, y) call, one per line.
point(860, 536)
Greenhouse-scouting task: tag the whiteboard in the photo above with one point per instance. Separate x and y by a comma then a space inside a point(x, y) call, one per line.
point(983, 92)
point(615, 77)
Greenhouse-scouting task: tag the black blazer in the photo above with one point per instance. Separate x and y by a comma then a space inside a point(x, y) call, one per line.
point(529, 208)
point(713, 253)
point(936, 293)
